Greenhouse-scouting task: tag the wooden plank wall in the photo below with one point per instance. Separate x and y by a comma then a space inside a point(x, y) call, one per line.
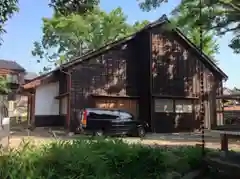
point(176, 74)
point(106, 74)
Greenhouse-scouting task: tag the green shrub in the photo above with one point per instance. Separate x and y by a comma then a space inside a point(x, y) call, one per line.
point(96, 159)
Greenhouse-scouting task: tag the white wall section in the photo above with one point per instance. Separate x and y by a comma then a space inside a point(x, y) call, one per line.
point(45, 102)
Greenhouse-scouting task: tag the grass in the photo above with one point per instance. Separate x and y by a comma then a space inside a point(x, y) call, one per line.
point(97, 159)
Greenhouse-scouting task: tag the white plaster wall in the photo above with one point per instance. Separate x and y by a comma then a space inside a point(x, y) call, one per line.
point(45, 102)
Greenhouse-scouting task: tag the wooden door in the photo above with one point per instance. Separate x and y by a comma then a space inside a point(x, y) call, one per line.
point(130, 105)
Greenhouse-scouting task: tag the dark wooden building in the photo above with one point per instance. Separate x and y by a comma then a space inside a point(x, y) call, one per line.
point(156, 74)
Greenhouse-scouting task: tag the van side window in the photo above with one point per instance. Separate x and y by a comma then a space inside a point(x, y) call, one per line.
point(125, 115)
point(102, 115)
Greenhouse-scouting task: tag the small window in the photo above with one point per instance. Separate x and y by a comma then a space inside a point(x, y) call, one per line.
point(163, 105)
point(12, 78)
point(183, 106)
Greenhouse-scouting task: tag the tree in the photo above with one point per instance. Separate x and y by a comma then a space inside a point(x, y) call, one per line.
point(220, 16)
point(4, 88)
point(148, 5)
point(66, 7)
point(7, 9)
point(210, 44)
point(66, 37)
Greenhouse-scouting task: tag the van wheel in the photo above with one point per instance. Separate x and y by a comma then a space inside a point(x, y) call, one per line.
point(99, 133)
point(141, 132)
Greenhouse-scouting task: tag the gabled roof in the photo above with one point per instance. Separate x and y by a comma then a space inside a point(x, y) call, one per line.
point(162, 20)
point(10, 65)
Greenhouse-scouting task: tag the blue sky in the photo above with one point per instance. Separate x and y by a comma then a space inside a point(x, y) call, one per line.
point(25, 28)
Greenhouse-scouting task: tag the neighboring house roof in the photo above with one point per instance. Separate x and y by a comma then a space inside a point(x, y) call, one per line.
point(10, 65)
point(232, 108)
point(109, 46)
point(229, 94)
point(30, 75)
point(235, 96)
point(236, 93)
point(226, 91)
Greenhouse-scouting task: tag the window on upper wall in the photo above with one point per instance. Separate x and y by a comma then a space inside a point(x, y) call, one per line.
point(183, 106)
point(12, 78)
point(163, 105)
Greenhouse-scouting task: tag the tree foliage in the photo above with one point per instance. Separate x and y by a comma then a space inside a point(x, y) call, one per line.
point(66, 37)
point(7, 9)
point(66, 7)
point(4, 88)
point(210, 44)
point(148, 5)
point(220, 16)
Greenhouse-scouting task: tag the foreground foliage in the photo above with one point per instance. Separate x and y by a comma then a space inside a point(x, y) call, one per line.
point(97, 159)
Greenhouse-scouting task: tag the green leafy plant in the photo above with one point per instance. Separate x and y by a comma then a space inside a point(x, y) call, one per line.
point(97, 158)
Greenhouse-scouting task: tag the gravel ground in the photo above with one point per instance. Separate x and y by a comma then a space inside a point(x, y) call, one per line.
point(43, 136)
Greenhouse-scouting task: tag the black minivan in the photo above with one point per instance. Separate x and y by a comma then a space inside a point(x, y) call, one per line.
point(110, 122)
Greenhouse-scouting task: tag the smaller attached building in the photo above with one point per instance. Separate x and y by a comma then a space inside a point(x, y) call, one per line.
point(43, 106)
point(156, 73)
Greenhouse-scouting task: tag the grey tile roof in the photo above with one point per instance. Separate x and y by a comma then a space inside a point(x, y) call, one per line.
point(30, 75)
point(11, 65)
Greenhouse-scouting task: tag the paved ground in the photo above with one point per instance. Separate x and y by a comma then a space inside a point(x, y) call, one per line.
point(212, 140)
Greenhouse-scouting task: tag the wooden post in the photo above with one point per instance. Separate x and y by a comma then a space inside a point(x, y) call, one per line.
point(224, 142)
